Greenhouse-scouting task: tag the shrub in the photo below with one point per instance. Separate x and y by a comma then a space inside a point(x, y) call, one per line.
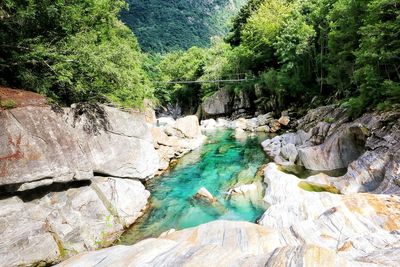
point(8, 104)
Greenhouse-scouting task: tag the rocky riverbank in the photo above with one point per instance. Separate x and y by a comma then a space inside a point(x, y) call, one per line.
point(70, 178)
point(71, 181)
point(351, 220)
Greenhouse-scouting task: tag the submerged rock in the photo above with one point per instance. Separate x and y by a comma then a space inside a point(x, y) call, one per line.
point(247, 194)
point(204, 194)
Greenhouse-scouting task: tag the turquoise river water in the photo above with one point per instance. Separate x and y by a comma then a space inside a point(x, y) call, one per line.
point(219, 165)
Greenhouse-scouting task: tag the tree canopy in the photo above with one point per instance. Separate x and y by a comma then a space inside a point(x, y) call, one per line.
point(165, 26)
point(309, 52)
point(71, 51)
point(295, 53)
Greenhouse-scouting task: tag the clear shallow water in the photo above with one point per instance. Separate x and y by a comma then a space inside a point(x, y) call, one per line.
point(220, 164)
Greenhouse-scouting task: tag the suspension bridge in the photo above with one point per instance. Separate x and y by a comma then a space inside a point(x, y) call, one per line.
point(233, 78)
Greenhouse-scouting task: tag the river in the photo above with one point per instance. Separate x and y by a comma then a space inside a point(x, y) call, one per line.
point(220, 164)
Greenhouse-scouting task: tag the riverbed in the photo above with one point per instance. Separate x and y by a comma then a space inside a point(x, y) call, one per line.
point(219, 165)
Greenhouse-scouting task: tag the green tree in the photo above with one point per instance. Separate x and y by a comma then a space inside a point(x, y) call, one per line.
point(378, 58)
point(345, 20)
point(238, 22)
point(71, 51)
point(184, 66)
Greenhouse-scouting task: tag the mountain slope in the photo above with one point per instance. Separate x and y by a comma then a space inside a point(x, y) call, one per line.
point(163, 25)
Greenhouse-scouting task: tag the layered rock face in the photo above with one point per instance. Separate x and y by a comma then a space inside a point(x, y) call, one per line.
point(226, 103)
point(368, 147)
point(60, 224)
point(37, 147)
point(121, 146)
point(54, 205)
point(362, 223)
point(356, 226)
point(219, 243)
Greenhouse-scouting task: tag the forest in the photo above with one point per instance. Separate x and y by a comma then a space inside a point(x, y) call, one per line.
point(163, 26)
point(293, 53)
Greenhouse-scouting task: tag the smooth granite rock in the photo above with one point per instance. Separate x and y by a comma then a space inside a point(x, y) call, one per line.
point(219, 104)
point(121, 148)
point(356, 225)
point(61, 224)
point(37, 147)
point(219, 243)
point(337, 152)
point(188, 126)
point(175, 139)
point(203, 193)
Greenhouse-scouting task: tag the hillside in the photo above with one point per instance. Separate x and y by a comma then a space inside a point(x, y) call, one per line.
point(164, 26)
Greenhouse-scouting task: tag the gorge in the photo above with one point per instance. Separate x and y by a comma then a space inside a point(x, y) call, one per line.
point(199, 133)
point(78, 205)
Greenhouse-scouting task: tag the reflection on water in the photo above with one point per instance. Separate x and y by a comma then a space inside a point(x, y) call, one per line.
point(218, 166)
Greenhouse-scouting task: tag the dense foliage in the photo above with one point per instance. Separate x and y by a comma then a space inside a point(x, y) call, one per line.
point(294, 53)
point(174, 25)
point(303, 53)
point(71, 51)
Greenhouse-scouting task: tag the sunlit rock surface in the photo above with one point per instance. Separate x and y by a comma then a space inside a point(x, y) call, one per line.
point(172, 139)
point(121, 146)
point(61, 224)
point(356, 225)
point(219, 243)
point(368, 147)
point(37, 147)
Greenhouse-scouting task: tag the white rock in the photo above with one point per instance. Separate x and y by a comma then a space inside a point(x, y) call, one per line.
point(164, 121)
point(355, 225)
point(240, 134)
point(68, 222)
point(218, 243)
point(203, 193)
point(264, 129)
point(222, 123)
point(188, 126)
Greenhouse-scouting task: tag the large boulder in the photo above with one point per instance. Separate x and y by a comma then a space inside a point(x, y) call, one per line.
point(188, 126)
point(64, 223)
point(337, 151)
point(117, 143)
point(37, 147)
point(218, 104)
